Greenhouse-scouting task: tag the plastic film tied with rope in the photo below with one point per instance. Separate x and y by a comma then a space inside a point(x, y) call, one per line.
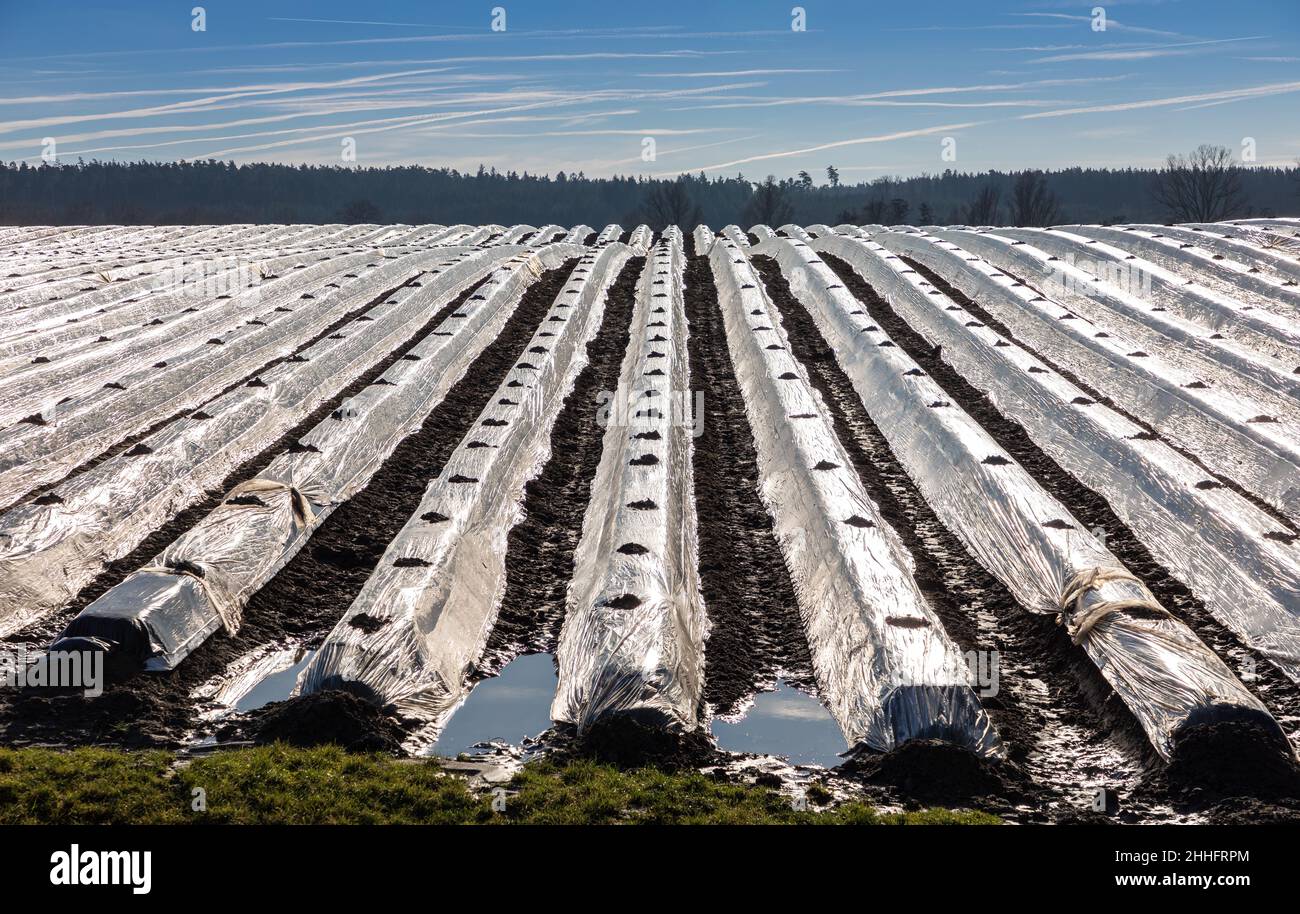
point(1166, 676)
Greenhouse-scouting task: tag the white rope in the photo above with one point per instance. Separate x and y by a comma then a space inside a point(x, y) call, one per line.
point(1080, 621)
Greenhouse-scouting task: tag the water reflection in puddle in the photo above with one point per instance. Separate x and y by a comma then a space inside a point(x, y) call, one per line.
point(277, 686)
point(511, 706)
point(788, 723)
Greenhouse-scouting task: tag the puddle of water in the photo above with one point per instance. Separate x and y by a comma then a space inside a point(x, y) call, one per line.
point(788, 723)
point(510, 707)
point(278, 686)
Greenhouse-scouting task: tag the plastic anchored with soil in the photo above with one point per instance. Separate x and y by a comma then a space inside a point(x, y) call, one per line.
point(884, 664)
point(1165, 675)
point(201, 582)
point(424, 616)
point(632, 642)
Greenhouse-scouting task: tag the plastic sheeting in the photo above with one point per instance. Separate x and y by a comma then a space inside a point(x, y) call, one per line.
point(733, 234)
point(49, 551)
point(1247, 381)
point(1102, 283)
point(514, 234)
point(64, 304)
point(884, 664)
point(93, 420)
point(1223, 276)
point(1232, 555)
point(1269, 255)
point(1213, 420)
point(609, 234)
point(1265, 331)
point(424, 615)
point(202, 581)
point(81, 358)
point(641, 239)
point(703, 240)
point(1158, 667)
point(633, 637)
point(551, 233)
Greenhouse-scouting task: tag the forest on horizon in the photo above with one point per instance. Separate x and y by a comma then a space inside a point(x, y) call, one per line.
point(217, 192)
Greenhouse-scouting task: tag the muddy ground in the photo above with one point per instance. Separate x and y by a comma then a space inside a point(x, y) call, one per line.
point(304, 600)
point(1066, 734)
point(540, 548)
point(755, 634)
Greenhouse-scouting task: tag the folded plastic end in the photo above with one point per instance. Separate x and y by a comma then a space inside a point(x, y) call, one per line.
point(1231, 750)
point(950, 714)
point(123, 642)
point(337, 682)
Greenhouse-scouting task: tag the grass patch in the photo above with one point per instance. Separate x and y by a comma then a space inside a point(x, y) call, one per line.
point(283, 785)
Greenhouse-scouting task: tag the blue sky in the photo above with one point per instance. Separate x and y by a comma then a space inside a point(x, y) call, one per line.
point(873, 88)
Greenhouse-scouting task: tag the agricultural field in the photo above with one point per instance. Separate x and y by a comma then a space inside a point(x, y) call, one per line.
point(1018, 510)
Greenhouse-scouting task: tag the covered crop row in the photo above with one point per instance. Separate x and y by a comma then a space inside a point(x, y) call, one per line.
point(425, 613)
point(633, 637)
point(1235, 557)
point(1223, 275)
point(1248, 445)
point(51, 548)
point(1162, 672)
point(1259, 254)
point(884, 664)
point(1121, 294)
point(202, 580)
point(157, 322)
point(123, 398)
point(1267, 332)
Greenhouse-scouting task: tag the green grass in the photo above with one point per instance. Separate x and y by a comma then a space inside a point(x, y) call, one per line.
point(282, 785)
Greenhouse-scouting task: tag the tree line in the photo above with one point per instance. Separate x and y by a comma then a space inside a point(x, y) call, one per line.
point(1204, 185)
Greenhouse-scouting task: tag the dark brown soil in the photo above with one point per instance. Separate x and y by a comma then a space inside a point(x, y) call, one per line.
point(955, 585)
point(626, 742)
point(932, 771)
point(539, 553)
point(313, 590)
point(1277, 691)
point(1230, 759)
point(323, 718)
point(756, 633)
point(1090, 508)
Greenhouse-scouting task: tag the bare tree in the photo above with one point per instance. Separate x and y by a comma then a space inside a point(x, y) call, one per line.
point(983, 210)
point(768, 205)
point(1032, 203)
point(670, 203)
point(873, 213)
point(1204, 186)
point(360, 211)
